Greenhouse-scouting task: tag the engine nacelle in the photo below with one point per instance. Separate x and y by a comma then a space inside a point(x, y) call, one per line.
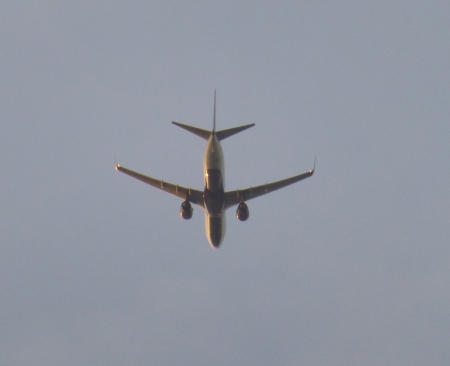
point(186, 210)
point(242, 212)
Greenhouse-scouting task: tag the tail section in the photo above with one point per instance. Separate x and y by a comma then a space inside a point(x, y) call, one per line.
point(221, 135)
point(205, 134)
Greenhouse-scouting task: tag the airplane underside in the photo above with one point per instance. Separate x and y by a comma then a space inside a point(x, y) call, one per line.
point(214, 199)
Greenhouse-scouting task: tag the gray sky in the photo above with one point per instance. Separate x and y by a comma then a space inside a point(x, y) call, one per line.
point(350, 267)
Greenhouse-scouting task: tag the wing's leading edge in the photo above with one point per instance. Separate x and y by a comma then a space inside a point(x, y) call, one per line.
point(193, 195)
point(234, 197)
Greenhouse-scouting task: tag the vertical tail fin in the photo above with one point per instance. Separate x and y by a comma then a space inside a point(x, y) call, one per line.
point(214, 119)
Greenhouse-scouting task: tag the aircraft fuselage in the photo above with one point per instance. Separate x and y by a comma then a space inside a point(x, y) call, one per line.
point(214, 193)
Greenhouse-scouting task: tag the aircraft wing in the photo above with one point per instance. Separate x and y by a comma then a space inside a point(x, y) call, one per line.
point(234, 197)
point(194, 196)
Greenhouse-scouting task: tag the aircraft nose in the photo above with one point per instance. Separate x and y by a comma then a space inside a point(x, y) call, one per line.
point(215, 244)
point(214, 230)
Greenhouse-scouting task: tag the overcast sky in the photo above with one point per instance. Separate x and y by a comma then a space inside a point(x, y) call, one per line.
point(349, 267)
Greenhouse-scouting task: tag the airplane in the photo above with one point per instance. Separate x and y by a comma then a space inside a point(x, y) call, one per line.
point(214, 200)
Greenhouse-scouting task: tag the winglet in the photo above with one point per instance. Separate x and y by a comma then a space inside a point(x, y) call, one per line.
point(314, 167)
point(214, 119)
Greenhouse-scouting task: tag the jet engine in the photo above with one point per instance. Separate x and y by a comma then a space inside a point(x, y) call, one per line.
point(242, 212)
point(186, 210)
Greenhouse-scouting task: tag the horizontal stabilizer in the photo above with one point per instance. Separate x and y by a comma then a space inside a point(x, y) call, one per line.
point(204, 134)
point(222, 135)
